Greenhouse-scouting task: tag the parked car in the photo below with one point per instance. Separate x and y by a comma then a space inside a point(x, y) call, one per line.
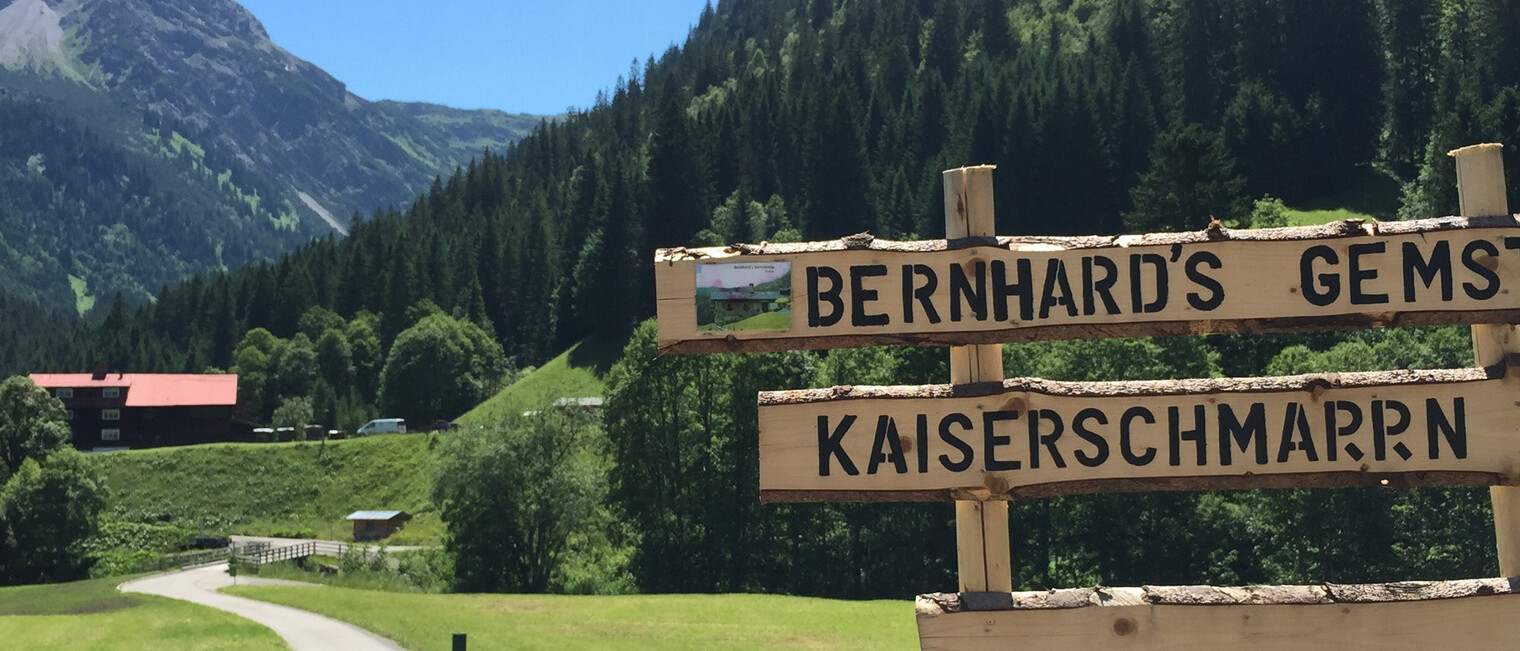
point(383, 426)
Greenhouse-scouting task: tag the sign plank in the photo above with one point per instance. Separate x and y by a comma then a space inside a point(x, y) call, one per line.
point(1025, 438)
point(860, 291)
point(1469, 614)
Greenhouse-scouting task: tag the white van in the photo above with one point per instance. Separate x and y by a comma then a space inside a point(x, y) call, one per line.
point(383, 426)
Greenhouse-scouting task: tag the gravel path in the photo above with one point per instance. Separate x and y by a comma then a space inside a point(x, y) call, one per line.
point(302, 630)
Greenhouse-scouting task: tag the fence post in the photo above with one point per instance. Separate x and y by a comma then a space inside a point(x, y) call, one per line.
point(459, 642)
point(981, 527)
point(1481, 190)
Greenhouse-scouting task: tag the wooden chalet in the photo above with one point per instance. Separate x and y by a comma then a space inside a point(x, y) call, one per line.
point(109, 411)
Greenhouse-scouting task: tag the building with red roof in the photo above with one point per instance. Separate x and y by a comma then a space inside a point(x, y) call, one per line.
point(109, 410)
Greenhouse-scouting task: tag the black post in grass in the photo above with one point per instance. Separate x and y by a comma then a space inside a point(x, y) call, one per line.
point(459, 642)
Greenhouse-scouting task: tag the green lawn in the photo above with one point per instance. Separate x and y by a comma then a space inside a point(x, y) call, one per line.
point(94, 615)
point(279, 488)
point(1373, 196)
point(576, 373)
point(1312, 217)
point(729, 621)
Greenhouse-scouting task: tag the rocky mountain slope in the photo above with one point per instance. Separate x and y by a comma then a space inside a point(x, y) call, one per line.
point(158, 137)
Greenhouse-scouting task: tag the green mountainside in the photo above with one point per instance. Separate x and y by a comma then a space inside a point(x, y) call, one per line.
point(146, 140)
point(295, 489)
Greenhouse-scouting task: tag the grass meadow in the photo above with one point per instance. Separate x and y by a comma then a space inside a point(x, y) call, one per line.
point(426, 622)
point(94, 615)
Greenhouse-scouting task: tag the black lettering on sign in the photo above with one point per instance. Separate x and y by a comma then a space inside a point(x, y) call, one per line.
point(1176, 435)
point(1057, 289)
point(1079, 425)
point(924, 295)
point(1334, 430)
point(1046, 439)
point(1454, 430)
point(1295, 422)
point(1096, 289)
point(1002, 290)
point(1437, 267)
point(1243, 435)
point(967, 454)
point(992, 441)
point(1128, 452)
point(923, 443)
point(1382, 429)
point(816, 319)
point(829, 446)
point(1475, 264)
point(1137, 283)
point(1359, 275)
point(1216, 290)
point(886, 448)
point(962, 290)
point(1323, 289)
point(859, 295)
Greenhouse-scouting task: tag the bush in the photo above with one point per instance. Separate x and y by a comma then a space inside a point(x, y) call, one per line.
point(159, 538)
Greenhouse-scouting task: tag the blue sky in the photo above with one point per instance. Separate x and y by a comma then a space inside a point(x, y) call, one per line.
point(539, 57)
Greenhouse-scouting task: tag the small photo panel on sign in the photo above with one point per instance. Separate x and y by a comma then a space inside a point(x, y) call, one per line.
point(744, 296)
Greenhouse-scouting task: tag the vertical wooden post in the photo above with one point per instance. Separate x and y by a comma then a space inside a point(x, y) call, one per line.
point(981, 528)
point(1480, 185)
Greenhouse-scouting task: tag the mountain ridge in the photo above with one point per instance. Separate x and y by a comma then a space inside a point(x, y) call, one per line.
point(261, 149)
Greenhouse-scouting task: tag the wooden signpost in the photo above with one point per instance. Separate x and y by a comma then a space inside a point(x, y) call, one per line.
point(860, 291)
point(983, 440)
point(1032, 438)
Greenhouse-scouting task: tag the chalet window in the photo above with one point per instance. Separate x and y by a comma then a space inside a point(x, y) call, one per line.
point(110, 414)
point(68, 414)
point(110, 392)
point(110, 434)
point(63, 393)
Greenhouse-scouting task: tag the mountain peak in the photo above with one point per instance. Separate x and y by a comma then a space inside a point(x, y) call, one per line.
point(32, 38)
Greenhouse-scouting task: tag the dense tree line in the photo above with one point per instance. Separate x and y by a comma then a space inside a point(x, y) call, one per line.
point(683, 431)
point(815, 119)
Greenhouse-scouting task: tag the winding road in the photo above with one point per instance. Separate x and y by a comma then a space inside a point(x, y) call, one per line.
point(302, 630)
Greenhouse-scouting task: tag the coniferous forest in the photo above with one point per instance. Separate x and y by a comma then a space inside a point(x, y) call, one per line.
point(814, 119)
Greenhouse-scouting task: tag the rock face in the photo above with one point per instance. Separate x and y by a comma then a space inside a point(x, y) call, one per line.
point(160, 78)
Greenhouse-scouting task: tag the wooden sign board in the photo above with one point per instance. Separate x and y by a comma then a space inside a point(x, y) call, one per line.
point(1032, 438)
point(1414, 616)
point(860, 291)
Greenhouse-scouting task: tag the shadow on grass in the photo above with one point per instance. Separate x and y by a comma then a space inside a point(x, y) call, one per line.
point(1373, 193)
point(599, 352)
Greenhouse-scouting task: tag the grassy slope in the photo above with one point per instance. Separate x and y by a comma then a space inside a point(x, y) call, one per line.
point(261, 489)
point(94, 615)
point(575, 373)
point(425, 621)
point(1374, 196)
point(271, 488)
